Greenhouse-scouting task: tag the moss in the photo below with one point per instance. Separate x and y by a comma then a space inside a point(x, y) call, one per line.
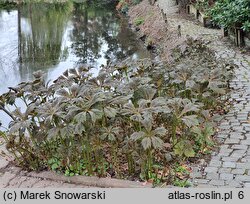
point(139, 21)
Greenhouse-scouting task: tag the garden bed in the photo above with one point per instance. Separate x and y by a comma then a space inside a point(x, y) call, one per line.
point(142, 121)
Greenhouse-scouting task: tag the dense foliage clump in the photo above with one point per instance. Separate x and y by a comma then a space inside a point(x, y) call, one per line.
point(231, 13)
point(134, 120)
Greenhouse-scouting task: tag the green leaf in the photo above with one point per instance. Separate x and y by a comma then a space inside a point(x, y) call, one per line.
point(110, 112)
point(67, 131)
point(190, 107)
point(148, 93)
point(160, 131)
point(79, 128)
point(157, 142)
point(137, 135)
point(190, 84)
point(216, 89)
point(95, 114)
point(159, 101)
point(54, 166)
point(184, 148)
point(53, 132)
point(111, 137)
point(209, 130)
point(189, 152)
point(190, 120)
point(197, 130)
point(81, 117)
point(147, 124)
point(146, 143)
point(178, 148)
point(120, 100)
point(63, 92)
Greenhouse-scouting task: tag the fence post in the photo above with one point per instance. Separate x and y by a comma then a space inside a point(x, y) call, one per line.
point(239, 37)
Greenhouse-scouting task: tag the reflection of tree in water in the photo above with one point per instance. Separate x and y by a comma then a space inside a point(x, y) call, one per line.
point(85, 35)
point(97, 27)
point(41, 47)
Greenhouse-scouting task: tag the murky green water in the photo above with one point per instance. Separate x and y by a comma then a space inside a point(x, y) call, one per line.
point(55, 37)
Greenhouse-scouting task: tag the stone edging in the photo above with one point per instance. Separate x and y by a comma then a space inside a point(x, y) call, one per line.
point(90, 181)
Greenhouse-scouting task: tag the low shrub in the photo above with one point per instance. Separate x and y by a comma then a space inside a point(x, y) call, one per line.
point(231, 13)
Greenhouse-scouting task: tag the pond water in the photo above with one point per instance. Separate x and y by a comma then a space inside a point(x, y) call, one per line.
point(56, 37)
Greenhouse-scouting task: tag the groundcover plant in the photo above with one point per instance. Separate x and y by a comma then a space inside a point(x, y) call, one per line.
point(136, 120)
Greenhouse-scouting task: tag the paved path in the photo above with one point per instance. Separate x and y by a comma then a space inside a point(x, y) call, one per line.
point(188, 27)
point(230, 166)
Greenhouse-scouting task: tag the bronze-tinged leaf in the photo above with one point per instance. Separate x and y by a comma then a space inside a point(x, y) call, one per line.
point(190, 120)
point(146, 143)
point(157, 142)
point(160, 131)
point(147, 123)
point(137, 135)
point(63, 92)
point(110, 112)
point(190, 107)
point(148, 93)
point(121, 100)
point(79, 128)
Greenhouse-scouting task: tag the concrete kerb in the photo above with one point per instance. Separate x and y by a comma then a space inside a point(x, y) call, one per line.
point(90, 181)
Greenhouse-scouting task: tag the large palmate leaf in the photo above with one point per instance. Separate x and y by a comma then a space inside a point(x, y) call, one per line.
point(110, 112)
point(17, 126)
point(161, 131)
point(110, 133)
point(137, 135)
point(190, 120)
point(146, 143)
point(67, 131)
point(135, 113)
point(189, 107)
point(157, 142)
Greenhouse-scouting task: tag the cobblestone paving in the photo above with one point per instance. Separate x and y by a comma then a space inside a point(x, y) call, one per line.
point(230, 166)
point(188, 27)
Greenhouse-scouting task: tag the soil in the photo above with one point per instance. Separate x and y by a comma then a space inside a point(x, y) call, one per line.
point(155, 30)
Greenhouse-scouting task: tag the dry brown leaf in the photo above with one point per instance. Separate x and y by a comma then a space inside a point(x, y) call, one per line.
point(167, 145)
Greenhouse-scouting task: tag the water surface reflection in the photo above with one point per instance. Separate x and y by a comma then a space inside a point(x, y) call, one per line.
point(56, 37)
